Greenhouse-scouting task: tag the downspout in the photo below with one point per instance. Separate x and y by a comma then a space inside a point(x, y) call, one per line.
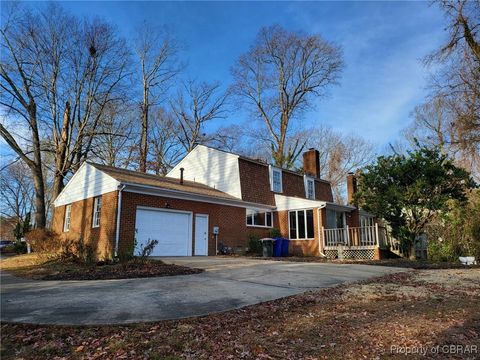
point(320, 233)
point(119, 211)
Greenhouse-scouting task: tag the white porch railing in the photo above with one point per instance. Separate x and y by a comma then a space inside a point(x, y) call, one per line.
point(355, 236)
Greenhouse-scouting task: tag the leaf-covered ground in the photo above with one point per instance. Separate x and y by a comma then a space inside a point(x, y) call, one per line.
point(36, 267)
point(398, 262)
point(415, 310)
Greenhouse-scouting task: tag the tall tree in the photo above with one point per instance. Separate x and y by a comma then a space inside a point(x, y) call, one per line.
point(280, 76)
point(408, 191)
point(20, 124)
point(157, 54)
point(194, 106)
point(451, 116)
point(59, 75)
point(340, 154)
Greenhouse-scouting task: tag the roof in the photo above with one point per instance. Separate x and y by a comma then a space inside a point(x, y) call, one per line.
point(125, 176)
point(262, 162)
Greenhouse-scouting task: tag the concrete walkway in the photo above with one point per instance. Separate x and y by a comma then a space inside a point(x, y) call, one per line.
point(227, 283)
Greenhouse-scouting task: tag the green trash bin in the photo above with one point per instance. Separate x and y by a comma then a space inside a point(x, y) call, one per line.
point(267, 247)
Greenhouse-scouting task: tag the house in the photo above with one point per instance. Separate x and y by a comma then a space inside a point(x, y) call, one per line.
point(210, 197)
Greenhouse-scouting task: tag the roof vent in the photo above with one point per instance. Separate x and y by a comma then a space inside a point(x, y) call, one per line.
point(181, 175)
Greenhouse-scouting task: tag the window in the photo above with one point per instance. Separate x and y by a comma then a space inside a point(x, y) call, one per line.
point(276, 179)
point(309, 187)
point(335, 219)
point(68, 213)
point(97, 208)
point(261, 219)
point(301, 224)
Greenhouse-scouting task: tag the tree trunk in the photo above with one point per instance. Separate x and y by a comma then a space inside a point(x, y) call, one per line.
point(61, 154)
point(37, 172)
point(144, 134)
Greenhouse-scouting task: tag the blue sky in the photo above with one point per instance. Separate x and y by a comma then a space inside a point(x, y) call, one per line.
point(383, 43)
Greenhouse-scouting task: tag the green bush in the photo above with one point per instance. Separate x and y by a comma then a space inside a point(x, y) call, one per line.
point(274, 232)
point(456, 232)
point(21, 247)
point(254, 244)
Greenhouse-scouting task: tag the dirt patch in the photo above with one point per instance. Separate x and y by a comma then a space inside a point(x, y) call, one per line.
point(335, 323)
point(36, 267)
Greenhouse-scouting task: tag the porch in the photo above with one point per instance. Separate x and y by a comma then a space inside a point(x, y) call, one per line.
point(362, 242)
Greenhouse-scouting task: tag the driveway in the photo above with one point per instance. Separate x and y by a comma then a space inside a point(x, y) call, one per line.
point(226, 284)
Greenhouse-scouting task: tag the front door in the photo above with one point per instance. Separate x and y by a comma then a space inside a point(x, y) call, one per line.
point(201, 234)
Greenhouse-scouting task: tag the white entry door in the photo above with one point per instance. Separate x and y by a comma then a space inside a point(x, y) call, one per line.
point(172, 229)
point(201, 234)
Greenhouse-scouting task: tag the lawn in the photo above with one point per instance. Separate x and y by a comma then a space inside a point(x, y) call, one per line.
point(40, 267)
point(380, 318)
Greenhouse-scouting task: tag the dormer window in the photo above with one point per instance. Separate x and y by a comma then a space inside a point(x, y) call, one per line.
point(309, 187)
point(276, 179)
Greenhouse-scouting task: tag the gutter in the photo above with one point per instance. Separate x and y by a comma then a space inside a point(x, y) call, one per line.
point(119, 209)
point(153, 190)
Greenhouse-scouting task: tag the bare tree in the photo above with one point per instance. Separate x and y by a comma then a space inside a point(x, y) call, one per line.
point(59, 75)
point(165, 150)
point(279, 76)
point(194, 106)
point(450, 117)
point(85, 81)
point(16, 190)
point(113, 143)
point(20, 125)
point(157, 54)
point(339, 155)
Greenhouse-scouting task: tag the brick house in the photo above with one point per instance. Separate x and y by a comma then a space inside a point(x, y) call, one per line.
point(210, 197)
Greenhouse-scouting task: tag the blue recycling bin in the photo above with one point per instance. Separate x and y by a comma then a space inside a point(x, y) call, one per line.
point(285, 244)
point(277, 247)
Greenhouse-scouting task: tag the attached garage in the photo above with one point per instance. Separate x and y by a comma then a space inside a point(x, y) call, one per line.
point(172, 229)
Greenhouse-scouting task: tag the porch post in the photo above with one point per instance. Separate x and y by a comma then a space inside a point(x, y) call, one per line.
point(348, 236)
point(376, 233)
point(321, 238)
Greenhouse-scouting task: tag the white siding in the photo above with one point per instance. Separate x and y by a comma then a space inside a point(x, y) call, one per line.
point(215, 168)
point(87, 182)
point(294, 203)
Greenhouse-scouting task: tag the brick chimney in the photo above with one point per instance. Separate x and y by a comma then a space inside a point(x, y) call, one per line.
point(311, 162)
point(351, 187)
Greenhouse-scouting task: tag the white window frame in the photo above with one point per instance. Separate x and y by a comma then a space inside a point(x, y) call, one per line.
point(97, 210)
point(305, 220)
point(67, 217)
point(279, 171)
point(309, 180)
point(256, 225)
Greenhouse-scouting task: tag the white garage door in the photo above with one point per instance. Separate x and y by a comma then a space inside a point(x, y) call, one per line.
point(172, 229)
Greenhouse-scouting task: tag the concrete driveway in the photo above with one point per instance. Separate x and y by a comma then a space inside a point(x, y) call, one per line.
point(227, 283)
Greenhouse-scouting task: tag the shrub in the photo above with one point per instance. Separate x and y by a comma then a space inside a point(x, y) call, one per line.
point(43, 241)
point(77, 251)
point(275, 232)
point(254, 244)
point(147, 249)
point(21, 247)
point(456, 232)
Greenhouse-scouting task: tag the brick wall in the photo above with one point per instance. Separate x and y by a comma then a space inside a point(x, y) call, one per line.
point(101, 238)
point(255, 184)
point(231, 220)
point(301, 247)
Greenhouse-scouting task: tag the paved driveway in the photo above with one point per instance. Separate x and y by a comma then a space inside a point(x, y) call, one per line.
point(227, 283)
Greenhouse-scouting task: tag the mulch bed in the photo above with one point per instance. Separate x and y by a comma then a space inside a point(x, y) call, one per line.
point(126, 270)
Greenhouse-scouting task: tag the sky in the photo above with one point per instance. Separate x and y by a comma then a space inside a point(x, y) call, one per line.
point(383, 44)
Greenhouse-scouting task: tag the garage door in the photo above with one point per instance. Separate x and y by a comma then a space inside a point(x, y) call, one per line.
point(172, 229)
